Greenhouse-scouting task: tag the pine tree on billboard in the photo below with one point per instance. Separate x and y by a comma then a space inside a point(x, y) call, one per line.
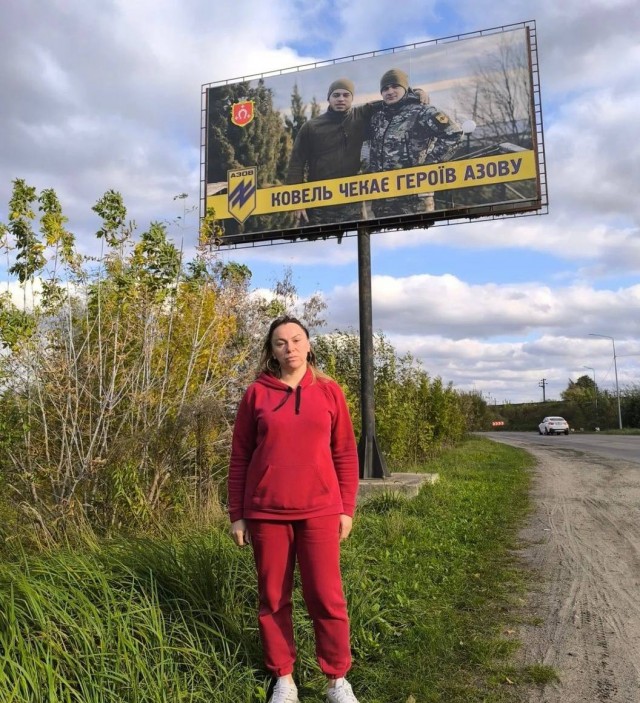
point(315, 108)
point(264, 143)
point(298, 114)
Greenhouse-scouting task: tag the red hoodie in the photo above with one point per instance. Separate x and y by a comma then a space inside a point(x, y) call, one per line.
point(293, 454)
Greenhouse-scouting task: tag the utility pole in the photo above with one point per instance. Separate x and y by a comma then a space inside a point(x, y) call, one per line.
point(543, 385)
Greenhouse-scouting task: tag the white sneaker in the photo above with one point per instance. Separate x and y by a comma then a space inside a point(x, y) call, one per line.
point(284, 692)
point(341, 693)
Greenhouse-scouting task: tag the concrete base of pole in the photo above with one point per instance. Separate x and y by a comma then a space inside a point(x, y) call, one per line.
point(403, 483)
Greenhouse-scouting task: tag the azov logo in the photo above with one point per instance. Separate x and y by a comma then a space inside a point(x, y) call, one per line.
point(241, 189)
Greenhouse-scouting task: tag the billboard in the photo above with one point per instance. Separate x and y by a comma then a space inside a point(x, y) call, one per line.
point(438, 131)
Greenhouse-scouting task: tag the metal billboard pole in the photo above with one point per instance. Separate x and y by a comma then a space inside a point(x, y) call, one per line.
point(372, 463)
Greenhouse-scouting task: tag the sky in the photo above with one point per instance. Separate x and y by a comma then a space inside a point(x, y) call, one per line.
point(107, 95)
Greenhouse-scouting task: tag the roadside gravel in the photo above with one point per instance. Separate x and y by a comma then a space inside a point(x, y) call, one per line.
point(583, 540)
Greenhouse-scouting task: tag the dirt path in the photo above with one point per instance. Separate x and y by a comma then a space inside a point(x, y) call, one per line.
point(584, 540)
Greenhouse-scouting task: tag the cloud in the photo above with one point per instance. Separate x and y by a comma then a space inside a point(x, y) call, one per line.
point(446, 305)
point(500, 337)
point(512, 371)
point(107, 95)
point(378, 25)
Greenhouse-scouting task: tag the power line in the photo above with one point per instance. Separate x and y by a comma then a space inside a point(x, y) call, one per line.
point(543, 385)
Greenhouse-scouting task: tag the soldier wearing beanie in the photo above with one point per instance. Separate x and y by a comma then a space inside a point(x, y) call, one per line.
point(343, 83)
point(328, 146)
point(407, 132)
point(394, 76)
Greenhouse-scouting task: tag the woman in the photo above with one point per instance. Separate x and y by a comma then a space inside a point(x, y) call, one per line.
point(293, 481)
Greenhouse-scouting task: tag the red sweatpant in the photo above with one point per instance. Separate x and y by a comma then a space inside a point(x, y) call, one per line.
point(316, 546)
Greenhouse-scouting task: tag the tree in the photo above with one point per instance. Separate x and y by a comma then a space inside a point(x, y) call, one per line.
point(264, 143)
point(29, 259)
point(498, 97)
point(286, 301)
point(630, 397)
point(117, 398)
point(157, 260)
point(298, 116)
point(582, 391)
point(416, 416)
point(315, 108)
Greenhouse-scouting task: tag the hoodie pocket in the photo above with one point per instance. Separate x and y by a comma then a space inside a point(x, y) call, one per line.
point(294, 487)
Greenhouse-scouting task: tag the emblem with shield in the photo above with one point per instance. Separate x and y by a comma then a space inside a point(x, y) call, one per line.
point(242, 113)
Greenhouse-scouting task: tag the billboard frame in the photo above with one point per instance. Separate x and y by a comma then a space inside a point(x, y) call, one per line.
point(474, 213)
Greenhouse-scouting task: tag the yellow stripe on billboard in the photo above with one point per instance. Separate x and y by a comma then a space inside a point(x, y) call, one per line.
point(469, 173)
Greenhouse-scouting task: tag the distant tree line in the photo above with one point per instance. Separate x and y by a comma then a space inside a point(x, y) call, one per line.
point(582, 404)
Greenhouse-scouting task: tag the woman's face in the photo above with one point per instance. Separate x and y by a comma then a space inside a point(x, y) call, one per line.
point(290, 346)
point(392, 94)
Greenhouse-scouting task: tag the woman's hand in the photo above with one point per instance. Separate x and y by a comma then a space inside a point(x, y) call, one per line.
point(239, 533)
point(346, 523)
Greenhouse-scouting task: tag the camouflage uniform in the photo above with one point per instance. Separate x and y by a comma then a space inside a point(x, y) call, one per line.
point(408, 133)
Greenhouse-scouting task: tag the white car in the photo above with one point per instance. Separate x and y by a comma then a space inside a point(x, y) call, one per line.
point(553, 425)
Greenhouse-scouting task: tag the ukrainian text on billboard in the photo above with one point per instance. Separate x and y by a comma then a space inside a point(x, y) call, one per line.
point(439, 130)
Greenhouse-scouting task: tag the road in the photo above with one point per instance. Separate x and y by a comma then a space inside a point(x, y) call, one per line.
point(583, 542)
point(612, 446)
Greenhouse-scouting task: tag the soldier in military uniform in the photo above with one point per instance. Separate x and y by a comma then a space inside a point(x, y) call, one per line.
point(328, 146)
point(406, 132)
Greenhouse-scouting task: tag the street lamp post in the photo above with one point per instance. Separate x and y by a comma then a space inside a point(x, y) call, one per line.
point(595, 388)
point(615, 368)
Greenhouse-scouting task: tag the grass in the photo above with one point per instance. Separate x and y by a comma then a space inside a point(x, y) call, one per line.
point(450, 581)
point(431, 582)
point(140, 621)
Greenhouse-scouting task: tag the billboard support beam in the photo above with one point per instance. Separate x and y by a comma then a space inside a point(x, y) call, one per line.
point(372, 463)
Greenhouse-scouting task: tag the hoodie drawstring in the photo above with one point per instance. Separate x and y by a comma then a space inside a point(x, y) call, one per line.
point(284, 400)
point(288, 393)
